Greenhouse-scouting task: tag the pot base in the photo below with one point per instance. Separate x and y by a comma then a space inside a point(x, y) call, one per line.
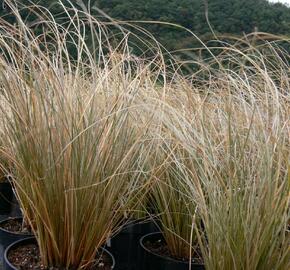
point(155, 261)
point(125, 245)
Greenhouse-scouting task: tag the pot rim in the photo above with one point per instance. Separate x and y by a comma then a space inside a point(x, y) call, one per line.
point(6, 261)
point(13, 233)
point(34, 238)
point(143, 238)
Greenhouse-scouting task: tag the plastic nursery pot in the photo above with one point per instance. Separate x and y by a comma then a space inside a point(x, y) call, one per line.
point(125, 245)
point(8, 237)
point(153, 261)
point(6, 197)
point(7, 265)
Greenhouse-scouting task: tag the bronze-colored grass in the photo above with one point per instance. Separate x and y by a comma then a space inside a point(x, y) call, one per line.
point(91, 135)
point(77, 133)
point(235, 139)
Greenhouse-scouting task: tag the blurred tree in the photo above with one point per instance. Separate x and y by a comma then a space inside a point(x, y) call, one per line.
point(233, 17)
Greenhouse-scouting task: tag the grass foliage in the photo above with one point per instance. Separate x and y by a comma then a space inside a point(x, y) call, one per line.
point(94, 135)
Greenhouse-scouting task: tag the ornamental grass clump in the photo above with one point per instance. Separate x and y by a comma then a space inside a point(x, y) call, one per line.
point(175, 189)
point(247, 196)
point(92, 130)
point(175, 204)
point(76, 132)
point(237, 136)
point(247, 208)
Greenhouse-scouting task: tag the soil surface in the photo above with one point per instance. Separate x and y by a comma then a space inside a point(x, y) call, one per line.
point(160, 247)
point(14, 225)
point(27, 257)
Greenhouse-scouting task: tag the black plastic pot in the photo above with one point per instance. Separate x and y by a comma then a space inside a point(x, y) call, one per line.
point(31, 240)
point(152, 261)
point(125, 245)
point(6, 198)
point(7, 237)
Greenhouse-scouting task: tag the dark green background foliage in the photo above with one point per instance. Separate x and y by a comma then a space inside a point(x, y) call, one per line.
point(234, 17)
point(226, 17)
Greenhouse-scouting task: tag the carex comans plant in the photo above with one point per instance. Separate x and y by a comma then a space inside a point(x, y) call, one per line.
point(174, 204)
point(175, 190)
point(76, 130)
point(237, 135)
point(248, 199)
